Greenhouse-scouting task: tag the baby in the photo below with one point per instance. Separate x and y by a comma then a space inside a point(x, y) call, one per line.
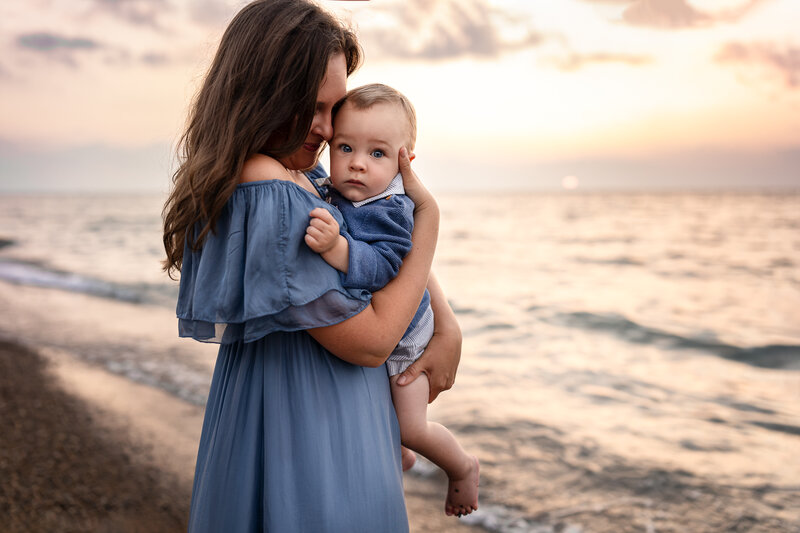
point(371, 124)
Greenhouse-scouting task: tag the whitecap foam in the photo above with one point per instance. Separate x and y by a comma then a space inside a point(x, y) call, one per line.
point(34, 274)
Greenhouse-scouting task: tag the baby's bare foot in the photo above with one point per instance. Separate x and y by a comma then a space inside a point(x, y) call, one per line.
point(408, 458)
point(462, 493)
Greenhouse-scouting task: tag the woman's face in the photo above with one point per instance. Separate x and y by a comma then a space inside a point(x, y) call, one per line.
point(333, 89)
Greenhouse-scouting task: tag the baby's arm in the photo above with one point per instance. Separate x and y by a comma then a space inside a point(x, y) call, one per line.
point(322, 236)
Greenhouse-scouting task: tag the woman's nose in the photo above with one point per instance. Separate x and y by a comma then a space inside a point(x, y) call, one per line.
point(322, 126)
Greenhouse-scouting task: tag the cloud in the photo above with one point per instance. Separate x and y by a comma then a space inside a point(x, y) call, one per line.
point(676, 14)
point(57, 47)
point(575, 61)
point(136, 12)
point(664, 14)
point(784, 62)
point(155, 59)
point(210, 12)
point(48, 42)
point(448, 29)
point(65, 49)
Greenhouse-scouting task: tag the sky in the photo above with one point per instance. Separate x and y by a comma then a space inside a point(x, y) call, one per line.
point(538, 95)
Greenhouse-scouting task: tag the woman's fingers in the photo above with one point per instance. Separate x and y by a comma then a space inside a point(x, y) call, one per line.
point(410, 374)
point(421, 366)
point(411, 182)
point(404, 162)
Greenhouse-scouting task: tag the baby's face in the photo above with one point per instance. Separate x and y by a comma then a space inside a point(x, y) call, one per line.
point(365, 147)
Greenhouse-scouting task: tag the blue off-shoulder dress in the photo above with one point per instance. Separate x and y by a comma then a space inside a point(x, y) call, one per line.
point(294, 438)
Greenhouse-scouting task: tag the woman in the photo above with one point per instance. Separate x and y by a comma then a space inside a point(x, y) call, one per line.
point(299, 432)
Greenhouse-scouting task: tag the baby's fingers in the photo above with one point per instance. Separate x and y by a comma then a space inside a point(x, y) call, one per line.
point(318, 223)
point(315, 240)
point(322, 214)
point(312, 242)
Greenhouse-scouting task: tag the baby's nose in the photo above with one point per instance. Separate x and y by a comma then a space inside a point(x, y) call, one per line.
point(357, 163)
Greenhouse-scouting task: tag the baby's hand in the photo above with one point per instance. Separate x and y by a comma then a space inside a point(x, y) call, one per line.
point(323, 230)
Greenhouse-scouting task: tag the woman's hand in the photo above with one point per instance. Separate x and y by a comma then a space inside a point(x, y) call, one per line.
point(440, 359)
point(439, 362)
point(414, 188)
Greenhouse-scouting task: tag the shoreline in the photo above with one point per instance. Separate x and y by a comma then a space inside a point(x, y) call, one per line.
point(697, 454)
point(64, 469)
point(121, 454)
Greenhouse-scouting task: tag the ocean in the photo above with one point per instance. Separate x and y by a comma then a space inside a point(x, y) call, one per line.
point(631, 361)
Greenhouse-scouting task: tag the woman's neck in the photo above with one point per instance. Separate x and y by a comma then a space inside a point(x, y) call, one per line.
point(262, 167)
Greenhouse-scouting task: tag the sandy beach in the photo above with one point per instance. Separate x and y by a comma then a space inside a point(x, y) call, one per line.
point(85, 450)
point(66, 467)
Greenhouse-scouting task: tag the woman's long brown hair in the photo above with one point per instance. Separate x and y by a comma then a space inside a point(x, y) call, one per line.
point(259, 96)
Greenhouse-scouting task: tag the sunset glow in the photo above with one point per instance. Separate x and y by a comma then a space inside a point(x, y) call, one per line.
point(520, 88)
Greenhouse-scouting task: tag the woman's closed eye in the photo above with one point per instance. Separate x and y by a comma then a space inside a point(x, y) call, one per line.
point(377, 154)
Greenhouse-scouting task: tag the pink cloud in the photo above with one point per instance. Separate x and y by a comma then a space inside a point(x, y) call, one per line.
point(781, 61)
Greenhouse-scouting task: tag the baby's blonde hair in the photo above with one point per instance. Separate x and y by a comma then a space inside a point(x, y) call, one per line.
point(367, 96)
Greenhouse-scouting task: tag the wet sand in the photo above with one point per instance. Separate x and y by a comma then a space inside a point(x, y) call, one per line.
point(62, 471)
point(85, 450)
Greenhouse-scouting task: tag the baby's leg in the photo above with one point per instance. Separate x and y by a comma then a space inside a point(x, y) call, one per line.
point(436, 443)
point(407, 458)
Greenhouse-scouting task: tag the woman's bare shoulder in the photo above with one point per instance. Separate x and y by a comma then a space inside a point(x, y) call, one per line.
point(262, 167)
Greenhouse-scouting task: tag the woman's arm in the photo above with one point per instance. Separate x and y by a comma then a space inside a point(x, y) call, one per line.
point(440, 359)
point(369, 337)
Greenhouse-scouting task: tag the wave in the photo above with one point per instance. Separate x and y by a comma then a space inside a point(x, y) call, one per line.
point(780, 428)
point(618, 261)
point(502, 519)
point(495, 517)
point(611, 239)
point(784, 356)
point(35, 274)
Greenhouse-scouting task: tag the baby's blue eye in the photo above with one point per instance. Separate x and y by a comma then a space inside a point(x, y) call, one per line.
point(345, 148)
point(377, 154)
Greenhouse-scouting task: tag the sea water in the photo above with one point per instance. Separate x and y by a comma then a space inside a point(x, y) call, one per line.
point(631, 361)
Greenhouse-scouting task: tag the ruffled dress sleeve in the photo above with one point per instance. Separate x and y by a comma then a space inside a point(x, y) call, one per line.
point(255, 274)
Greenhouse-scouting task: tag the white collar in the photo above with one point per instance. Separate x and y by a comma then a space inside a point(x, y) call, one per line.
point(395, 187)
